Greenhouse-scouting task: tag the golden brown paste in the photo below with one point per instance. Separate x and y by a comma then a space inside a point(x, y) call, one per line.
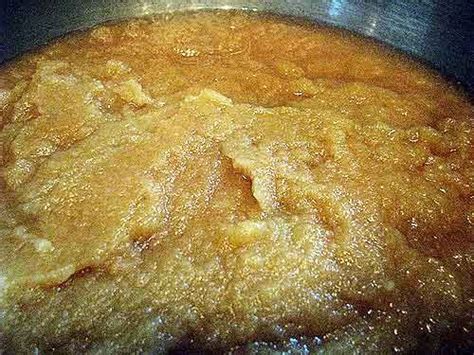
point(217, 181)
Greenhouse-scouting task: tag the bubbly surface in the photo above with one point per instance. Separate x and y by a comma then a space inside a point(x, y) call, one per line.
point(225, 181)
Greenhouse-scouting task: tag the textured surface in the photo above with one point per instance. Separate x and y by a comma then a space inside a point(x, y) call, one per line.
point(215, 180)
point(436, 31)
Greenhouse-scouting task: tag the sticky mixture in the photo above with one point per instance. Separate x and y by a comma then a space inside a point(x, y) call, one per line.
point(231, 182)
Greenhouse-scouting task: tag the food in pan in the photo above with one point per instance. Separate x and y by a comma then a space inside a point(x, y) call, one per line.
point(225, 181)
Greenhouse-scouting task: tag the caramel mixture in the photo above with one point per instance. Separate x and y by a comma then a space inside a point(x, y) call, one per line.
point(225, 181)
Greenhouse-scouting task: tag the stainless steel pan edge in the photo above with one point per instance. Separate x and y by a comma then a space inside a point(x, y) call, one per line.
point(440, 32)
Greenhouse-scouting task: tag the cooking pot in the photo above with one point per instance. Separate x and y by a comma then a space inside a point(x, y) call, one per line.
point(438, 32)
